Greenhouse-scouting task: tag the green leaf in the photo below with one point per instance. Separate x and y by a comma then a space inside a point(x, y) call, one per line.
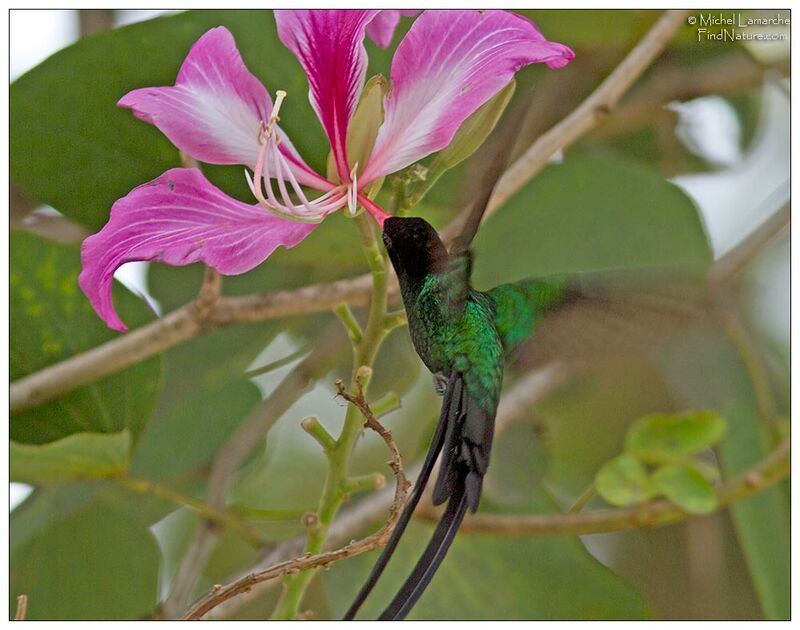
point(686, 486)
point(52, 320)
point(624, 481)
point(95, 563)
point(762, 521)
point(95, 152)
point(186, 435)
point(77, 456)
point(594, 211)
point(663, 439)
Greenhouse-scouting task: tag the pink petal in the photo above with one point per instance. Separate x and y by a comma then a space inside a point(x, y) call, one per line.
point(214, 110)
point(329, 44)
point(381, 29)
point(180, 218)
point(448, 65)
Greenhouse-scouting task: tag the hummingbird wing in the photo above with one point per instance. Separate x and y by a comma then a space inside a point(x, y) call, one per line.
point(493, 161)
point(616, 312)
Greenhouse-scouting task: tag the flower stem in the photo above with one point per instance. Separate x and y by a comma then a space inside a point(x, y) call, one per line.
point(227, 519)
point(338, 480)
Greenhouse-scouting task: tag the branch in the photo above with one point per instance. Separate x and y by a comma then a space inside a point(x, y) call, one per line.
point(772, 469)
point(731, 74)
point(737, 258)
point(179, 326)
point(186, 322)
point(22, 608)
point(222, 593)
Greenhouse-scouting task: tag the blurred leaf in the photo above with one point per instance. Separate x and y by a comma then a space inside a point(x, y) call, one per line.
point(585, 420)
point(110, 151)
point(96, 563)
point(709, 471)
point(594, 211)
point(708, 372)
point(519, 462)
point(663, 439)
point(77, 456)
point(684, 485)
point(624, 481)
point(495, 577)
point(592, 27)
point(762, 521)
point(52, 321)
point(189, 434)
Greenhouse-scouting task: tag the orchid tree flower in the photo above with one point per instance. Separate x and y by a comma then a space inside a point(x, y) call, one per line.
point(448, 65)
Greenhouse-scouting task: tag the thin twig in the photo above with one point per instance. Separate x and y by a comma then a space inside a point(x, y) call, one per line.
point(738, 258)
point(186, 322)
point(22, 608)
point(769, 471)
point(222, 593)
point(178, 326)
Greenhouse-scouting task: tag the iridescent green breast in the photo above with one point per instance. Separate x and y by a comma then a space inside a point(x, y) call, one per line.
point(466, 341)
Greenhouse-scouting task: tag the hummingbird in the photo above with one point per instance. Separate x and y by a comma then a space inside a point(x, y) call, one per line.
point(464, 337)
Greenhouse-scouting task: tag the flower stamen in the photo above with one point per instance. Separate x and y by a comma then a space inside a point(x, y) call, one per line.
point(271, 163)
point(274, 118)
point(352, 192)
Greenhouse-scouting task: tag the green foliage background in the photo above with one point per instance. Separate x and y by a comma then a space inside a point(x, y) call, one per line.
point(85, 546)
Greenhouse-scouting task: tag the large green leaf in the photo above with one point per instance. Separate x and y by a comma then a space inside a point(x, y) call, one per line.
point(77, 456)
point(95, 563)
point(52, 321)
point(594, 211)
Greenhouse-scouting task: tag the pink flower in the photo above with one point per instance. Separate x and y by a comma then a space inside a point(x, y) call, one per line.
point(448, 65)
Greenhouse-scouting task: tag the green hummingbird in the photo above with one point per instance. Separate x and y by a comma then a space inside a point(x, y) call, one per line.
point(464, 337)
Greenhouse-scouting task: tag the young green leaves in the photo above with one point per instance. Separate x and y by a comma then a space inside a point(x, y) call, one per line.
point(660, 459)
